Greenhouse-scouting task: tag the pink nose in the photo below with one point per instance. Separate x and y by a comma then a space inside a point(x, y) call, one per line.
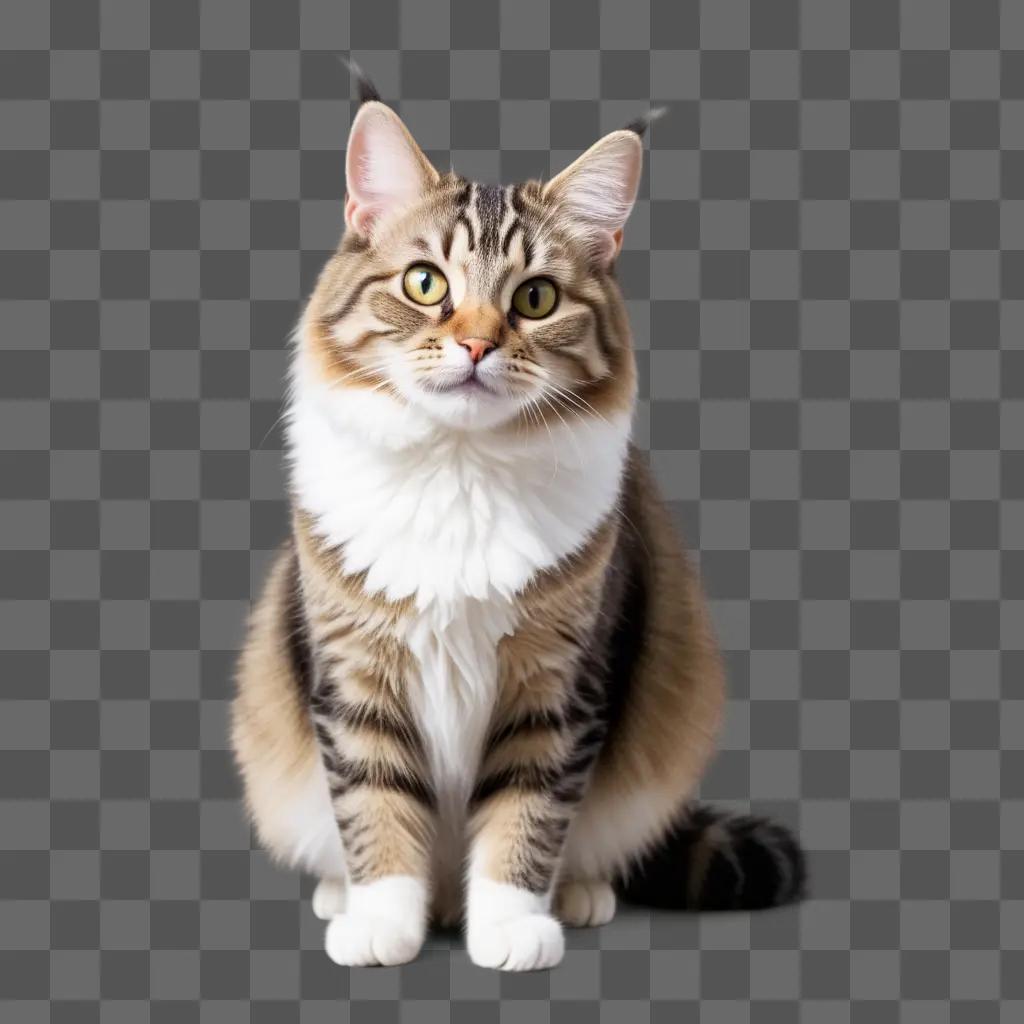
point(476, 347)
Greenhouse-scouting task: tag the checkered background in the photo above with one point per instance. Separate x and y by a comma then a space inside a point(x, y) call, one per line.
point(825, 274)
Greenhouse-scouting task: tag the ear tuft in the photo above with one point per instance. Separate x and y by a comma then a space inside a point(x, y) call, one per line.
point(599, 188)
point(365, 89)
point(385, 170)
point(640, 124)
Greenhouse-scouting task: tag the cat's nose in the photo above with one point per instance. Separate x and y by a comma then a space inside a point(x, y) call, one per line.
point(476, 347)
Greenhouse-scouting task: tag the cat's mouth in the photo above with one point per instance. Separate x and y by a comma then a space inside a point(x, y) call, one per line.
point(468, 385)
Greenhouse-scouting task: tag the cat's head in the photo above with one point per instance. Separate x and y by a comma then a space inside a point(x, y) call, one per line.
point(478, 305)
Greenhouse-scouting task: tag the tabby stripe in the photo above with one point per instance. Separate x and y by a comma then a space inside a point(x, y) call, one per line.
point(506, 242)
point(531, 721)
point(378, 720)
point(319, 703)
point(519, 205)
point(568, 637)
point(327, 751)
point(385, 776)
point(522, 777)
point(570, 790)
point(490, 209)
point(364, 715)
point(600, 325)
point(533, 870)
point(299, 653)
point(581, 711)
point(352, 826)
point(463, 219)
point(447, 239)
point(354, 296)
point(528, 250)
point(355, 853)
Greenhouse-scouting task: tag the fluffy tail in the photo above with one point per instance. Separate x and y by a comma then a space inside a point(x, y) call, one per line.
point(713, 860)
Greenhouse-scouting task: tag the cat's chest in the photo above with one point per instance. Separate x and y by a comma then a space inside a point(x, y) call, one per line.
point(455, 687)
point(454, 519)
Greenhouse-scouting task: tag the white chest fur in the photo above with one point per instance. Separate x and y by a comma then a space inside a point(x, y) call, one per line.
point(461, 522)
point(444, 515)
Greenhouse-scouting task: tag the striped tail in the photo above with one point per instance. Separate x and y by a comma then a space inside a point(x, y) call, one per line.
point(713, 860)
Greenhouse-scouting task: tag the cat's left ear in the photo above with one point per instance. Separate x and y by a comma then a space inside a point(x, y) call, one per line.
point(384, 168)
point(598, 189)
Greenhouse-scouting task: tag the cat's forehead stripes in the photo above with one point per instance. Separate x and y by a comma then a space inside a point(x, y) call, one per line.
point(490, 208)
point(491, 230)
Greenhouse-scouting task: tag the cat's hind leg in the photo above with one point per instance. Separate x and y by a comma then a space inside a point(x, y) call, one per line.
point(285, 785)
point(329, 898)
point(584, 903)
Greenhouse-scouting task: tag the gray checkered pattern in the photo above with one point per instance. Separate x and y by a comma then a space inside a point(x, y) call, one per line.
point(825, 273)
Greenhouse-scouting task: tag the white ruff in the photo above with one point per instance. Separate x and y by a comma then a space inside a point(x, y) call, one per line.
point(445, 514)
point(461, 522)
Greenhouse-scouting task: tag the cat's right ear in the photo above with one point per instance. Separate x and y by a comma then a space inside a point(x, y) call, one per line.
point(384, 168)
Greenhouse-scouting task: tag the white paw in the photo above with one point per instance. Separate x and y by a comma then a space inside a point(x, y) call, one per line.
point(329, 899)
point(529, 942)
point(585, 904)
point(365, 941)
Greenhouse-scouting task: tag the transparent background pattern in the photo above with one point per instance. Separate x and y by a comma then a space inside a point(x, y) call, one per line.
point(825, 273)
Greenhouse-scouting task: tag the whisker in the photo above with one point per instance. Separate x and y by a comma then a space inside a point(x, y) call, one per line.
point(572, 438)
point(551, 437)
point(578, 399)
point(271, 428)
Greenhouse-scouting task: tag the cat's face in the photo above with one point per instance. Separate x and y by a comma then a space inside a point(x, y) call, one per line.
point(478, 305)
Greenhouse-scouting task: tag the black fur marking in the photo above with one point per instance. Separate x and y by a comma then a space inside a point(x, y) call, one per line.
point(365, 89)
point(299, 652)
point(530, 778)
point(640, 124)
point(367, 716)
point(528, 251)
point(464, 220)
point(506, 242)
point(749, 864)
point(534, 867)
point(386, 776)
point(327, 752)
point(568, 637)
point(600, 323)
point(353, 298)
point(490, 210)
point(531, 721)
point(519, 205)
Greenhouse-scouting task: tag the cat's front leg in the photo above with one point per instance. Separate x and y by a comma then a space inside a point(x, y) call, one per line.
point(534, 772)
point(384, 809)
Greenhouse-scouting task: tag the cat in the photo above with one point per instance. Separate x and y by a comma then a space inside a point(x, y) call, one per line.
point(481, 683)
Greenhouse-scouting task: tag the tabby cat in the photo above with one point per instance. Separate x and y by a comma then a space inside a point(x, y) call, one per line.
point(481, 684)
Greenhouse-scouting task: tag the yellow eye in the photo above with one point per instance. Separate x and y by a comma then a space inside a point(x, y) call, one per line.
point(425, 284)
point(535, 298)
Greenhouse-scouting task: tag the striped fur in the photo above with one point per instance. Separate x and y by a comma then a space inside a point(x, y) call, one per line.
point(481, 682)
point(715, 861)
